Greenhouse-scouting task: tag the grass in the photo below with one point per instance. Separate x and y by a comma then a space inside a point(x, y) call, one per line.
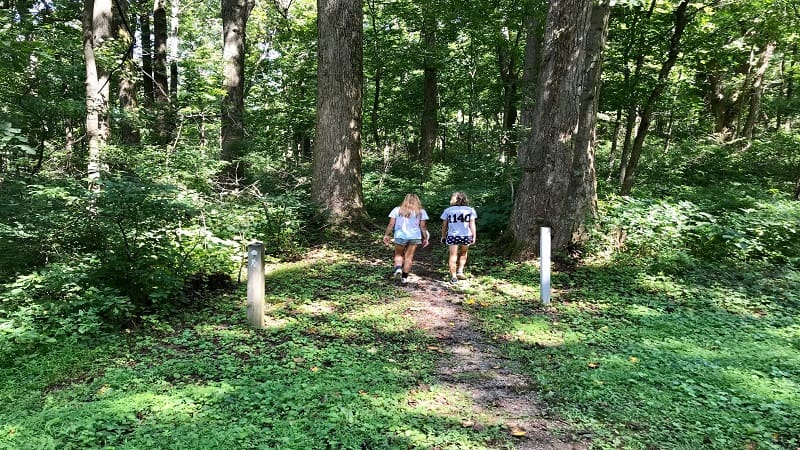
point(708, 358)
point(339, 366)
point(705, 359)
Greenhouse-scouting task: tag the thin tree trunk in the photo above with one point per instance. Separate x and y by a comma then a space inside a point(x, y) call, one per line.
point(681, 19)
point(336, 173)
point(129, 128)
point(173, 53)
point(632, 82)
point(757, 90)
point(160, 79)
point(509, 77)
point(97, 27)
point(147, 56)
point(429, 128)
point(234, 21)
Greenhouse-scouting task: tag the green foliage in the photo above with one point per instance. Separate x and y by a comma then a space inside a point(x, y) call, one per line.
point(339, 366)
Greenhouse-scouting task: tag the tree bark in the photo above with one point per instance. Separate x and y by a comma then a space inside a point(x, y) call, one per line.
point(681, 19)
point(234, 21)
point(430, 125)
point(336, 173)
point(757, 90)
point(147, 57)
point(97, 25)
point(129, 128)
point(583, 188)
point(509, 77)
point(547, 156)
point(160, 80)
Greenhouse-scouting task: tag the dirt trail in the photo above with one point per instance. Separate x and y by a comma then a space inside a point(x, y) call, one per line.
point(470, 363)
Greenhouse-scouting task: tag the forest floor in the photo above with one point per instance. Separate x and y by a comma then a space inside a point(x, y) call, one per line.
point(470, 362)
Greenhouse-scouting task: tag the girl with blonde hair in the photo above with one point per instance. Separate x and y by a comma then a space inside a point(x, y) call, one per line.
point(407, 229)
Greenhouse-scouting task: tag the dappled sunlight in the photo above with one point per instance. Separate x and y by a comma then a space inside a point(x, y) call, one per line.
point(317, 308)
point(535, 331)
point(376, 316)
point(514, 290)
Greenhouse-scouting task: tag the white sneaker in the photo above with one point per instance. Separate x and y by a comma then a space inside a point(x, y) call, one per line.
point(404, 280)
point(461, 276)
point(398, 271)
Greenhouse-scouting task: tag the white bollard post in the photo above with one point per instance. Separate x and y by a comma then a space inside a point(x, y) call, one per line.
point(255, 285)
point(544, 264)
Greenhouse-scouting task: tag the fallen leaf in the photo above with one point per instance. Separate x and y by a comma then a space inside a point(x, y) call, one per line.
point(315, 369)
point(517, 431)
point(467, 423)
point(593, 365)
point(634, 359)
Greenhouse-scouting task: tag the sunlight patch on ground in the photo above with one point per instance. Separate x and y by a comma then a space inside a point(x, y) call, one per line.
point(378, 314)
point(515, 290)
point(537, 332)
point(318, 308)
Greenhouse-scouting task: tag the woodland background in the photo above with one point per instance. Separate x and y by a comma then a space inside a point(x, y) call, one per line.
point(144, 144)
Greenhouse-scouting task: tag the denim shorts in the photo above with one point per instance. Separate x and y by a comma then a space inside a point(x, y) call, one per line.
point(400, 241)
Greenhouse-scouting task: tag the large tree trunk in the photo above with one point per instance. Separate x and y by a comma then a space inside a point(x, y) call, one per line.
point(681, 19)
point(234, 22)
point(757, 90)
point(430, 125)
point(583, 188)
point(336, 181)
point(160, 80)
point(534, 25)
point(97, 28)
point(547, 156)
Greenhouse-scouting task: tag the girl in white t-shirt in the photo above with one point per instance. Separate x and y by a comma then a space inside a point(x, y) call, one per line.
point(407, 230)
point(458, 232)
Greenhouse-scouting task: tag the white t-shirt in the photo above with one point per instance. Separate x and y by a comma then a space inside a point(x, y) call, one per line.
point(458, 219)
point(407, 227)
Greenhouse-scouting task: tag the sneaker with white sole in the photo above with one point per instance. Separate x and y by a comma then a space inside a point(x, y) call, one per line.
point(453, 280)
point(461, 276)
point(398, 271)
point(404, 280)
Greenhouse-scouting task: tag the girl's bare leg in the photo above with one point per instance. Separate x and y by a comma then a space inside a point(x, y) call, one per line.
point(452, 261)
point(462, 257)
point(408, 260)
point(399, 254)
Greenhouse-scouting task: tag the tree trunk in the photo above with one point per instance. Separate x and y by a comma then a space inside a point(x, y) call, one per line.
point(534, 25)
point(147, 57)
point(160, 80)
point(129, 128)
point(336, 175)
point(757, 90)
point(547, 156)
point(97, 27)
point(681, 19)
point(632, 82)
point(509, 77)
point(429, 128)
point(234, 21)
point(583, 188)
point(173, 53)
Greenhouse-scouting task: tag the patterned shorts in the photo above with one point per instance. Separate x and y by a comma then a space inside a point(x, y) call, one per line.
point(458, 240)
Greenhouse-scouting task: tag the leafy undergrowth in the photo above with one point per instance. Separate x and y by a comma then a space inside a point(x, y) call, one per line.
point(339, 366)
point(646, 359)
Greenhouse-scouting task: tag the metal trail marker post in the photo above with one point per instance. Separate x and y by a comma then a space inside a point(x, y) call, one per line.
point(255, 285)
point(544, 265)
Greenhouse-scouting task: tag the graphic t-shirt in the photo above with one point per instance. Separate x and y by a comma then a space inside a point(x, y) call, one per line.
point(407, 227)
point(458, 218)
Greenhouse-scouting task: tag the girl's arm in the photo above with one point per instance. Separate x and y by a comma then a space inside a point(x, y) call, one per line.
point(424, 227)
point(473, 230)
point(387, 237)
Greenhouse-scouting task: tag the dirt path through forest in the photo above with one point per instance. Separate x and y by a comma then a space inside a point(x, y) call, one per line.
point(471, 364)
